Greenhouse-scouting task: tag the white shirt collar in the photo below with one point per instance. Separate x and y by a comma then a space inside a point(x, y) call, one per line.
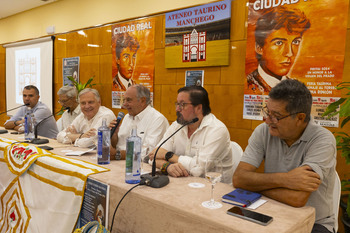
point(124, 81)
point(270, 80)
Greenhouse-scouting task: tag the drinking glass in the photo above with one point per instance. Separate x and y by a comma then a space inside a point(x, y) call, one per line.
point(213, 172)
point(144, 153)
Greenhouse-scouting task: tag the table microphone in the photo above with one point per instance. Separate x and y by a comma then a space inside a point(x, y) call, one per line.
point(119, 119)
point(37, 140)
point(14, 108)
point(159, 181)
point(4, 130)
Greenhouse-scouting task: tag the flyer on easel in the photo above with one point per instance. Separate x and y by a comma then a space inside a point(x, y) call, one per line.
point(95, 203)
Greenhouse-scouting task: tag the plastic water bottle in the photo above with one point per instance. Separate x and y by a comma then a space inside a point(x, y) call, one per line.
point(118, 155)
point(133, 158)
point(29, 124)
point(104, 141)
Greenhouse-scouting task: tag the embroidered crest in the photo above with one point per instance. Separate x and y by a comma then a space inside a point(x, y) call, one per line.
point(21, 153)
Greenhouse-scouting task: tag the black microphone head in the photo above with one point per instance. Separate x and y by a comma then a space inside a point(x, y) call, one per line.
point(194, 120)
point(120, 115)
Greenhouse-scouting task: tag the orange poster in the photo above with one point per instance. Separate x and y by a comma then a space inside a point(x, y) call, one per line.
point(133, 57)
point(294, 39)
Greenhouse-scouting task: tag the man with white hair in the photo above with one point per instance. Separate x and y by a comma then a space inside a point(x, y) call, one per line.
point(151, 124)
point(67, 97)
point(83, 130)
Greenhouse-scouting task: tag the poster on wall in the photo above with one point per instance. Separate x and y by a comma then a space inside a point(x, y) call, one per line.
point(70, 68)
point(198, 36)
point(133, 57)
point(194, 78)
point(291, 39)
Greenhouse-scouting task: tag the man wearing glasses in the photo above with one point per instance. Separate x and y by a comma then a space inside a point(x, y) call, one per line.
point(67, 98)
point(187, 151)
point(300, 157)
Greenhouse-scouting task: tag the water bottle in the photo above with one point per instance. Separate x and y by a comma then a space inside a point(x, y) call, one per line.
point(118, 155)
point(104, 141)
point(29, 124)
point(133, 158)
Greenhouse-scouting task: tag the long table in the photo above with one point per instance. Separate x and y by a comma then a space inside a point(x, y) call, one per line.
point(177, 207)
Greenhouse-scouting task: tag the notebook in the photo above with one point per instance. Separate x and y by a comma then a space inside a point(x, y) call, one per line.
point(241, 197)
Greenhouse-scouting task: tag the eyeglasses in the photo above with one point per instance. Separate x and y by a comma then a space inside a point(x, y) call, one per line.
point(63, 101)
point(181, 105)
point(273, 118)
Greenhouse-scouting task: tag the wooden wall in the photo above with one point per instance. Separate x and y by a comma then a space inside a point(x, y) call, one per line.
point(224, 84)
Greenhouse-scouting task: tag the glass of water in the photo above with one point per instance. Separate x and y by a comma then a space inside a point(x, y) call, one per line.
point(213, 172)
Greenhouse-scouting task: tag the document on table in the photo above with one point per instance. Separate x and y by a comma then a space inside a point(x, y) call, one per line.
point(80, 152)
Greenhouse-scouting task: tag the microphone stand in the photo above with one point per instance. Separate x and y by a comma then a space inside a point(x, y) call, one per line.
point(4, 130)
point(37, 140)
point(159, 181)
point(12, 109)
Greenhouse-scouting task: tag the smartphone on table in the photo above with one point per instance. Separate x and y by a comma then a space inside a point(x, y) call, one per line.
point(250, 215)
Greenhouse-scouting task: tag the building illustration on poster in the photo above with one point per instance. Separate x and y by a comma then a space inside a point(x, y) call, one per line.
point(198, 36)
point(194, 46)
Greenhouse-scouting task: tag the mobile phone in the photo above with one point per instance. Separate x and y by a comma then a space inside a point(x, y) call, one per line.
point(46, 147)
point(250, 215)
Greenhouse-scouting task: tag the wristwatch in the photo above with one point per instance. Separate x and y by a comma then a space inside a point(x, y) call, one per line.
point(169, 155)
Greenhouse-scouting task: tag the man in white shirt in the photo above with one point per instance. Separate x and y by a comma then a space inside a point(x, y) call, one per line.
point(151, 124)
point(67, 97)
point(83, 130)
point(195, 143)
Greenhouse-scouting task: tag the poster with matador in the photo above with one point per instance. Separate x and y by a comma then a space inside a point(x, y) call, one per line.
point(295, 39)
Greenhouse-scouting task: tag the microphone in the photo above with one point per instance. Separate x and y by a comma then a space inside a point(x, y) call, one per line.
point(4, 130)
point(119, 119)
point(161, 180)
point(14, 108)
point(37, 140)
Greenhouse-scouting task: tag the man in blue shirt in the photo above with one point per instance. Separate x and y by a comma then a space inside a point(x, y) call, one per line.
point(47, 128)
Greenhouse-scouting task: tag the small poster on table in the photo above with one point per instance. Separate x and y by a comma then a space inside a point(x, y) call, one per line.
point(95, 203)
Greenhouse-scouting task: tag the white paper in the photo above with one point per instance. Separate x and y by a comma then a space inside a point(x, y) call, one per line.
point(79, 152)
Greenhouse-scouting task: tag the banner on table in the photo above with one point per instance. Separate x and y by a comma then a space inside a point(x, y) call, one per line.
point(40, 190)
point(293, 39)
point(133, 57)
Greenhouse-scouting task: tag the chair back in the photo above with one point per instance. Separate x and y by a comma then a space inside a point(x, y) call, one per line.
point(336, 199)
point(237, 154)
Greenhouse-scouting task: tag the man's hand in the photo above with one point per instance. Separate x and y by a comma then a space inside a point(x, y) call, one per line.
point(176, 170)
point(90, 133)
point(303, 179)
point(71, 129)
point(160, 154)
